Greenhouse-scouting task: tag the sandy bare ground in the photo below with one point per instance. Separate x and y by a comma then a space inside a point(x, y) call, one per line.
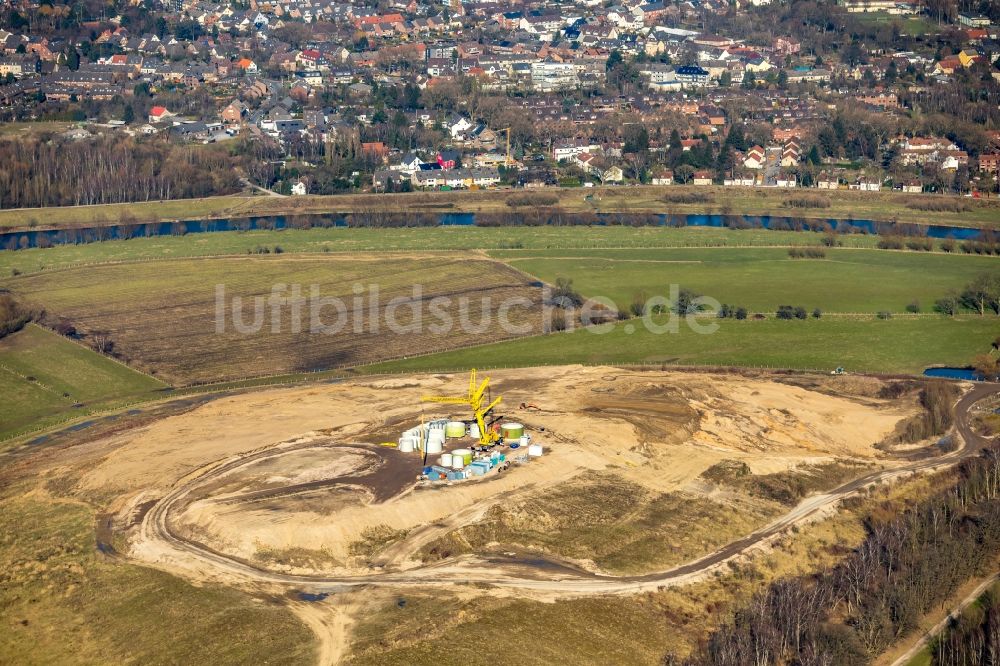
point(661, 430)
point(181, 483)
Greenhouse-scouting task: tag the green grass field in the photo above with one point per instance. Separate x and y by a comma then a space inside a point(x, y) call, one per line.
point(343, 240)
point(161, 314)
point(844, 204)
point(854, 281)
point(900, 345)
point(909, 25)
point(43, 376)
point(65, 603)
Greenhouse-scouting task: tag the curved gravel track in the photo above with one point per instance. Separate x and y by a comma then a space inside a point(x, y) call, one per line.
point(176, 551)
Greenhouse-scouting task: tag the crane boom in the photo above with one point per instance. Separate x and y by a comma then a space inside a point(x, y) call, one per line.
point(478, 401)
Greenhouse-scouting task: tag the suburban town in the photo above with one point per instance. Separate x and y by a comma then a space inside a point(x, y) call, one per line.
point(307, 97)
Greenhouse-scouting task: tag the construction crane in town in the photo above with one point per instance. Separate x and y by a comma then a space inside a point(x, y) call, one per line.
point(479, 400)
point(508, 162)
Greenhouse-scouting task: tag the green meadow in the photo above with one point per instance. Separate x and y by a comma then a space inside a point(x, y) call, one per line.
point(760, 279)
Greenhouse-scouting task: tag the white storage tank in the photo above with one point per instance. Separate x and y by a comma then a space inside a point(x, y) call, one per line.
point(445, 460)
point(474, 430)
point(434, 446)
point(457, 462)
point(535, 450)
point(406, 444)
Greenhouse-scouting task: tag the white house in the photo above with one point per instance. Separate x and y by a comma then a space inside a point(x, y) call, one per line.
point(754, 158)
point(299, 189)
point(457, 125)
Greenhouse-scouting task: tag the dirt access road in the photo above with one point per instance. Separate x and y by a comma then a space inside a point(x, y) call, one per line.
point(179, 554)
point(938, 628)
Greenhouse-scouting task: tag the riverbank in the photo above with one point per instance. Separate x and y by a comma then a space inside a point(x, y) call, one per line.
point(686, 200)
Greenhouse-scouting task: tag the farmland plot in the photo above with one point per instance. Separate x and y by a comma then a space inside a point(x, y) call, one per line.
point(194, 321)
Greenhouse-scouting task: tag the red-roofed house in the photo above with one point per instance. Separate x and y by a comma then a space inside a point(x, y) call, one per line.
point(990, 162)
point(376, 149)
point(159, 113)
point(754, 158)
point(702, 177)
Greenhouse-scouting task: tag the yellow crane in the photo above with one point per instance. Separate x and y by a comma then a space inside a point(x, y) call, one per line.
point(508, 161)
point(478, 399)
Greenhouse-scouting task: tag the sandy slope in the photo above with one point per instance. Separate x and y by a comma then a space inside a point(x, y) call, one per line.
point(658, 429)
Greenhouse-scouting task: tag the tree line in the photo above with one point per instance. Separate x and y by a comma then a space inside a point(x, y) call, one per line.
point(62, 172)
point(854, 611)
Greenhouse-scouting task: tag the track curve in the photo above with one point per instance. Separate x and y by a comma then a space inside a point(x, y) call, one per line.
point(174, 549)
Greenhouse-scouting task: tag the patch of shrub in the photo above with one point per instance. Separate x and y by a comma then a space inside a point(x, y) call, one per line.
point(13, 315)
point(532, 199)
point(894, 390)
point(685, 197)
point(791, 312)
point(564, 295)
point(938, 205)
point(890, 243)
point(920, 244)
point(809, 252)
point(938, 402)
point(727, 311)
point(807, 201)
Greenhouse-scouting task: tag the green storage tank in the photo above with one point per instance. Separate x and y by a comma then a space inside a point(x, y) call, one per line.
point(512, 431)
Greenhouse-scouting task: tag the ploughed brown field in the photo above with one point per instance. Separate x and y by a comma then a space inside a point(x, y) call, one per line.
point(163, 317)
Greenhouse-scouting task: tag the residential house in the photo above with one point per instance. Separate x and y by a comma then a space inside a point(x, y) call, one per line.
point(790, 155)
point(246, 65)
point(457, 125)
point(568, 149)
point(754, 158)
point(375, 149)
point(409, 163)
point(391, 180)
point(234, 113)
point(866, 185)
point(990, 163)
point(703, 177)
point(448, 159)
point(827, 182)
point(662, 177)
point(159, 114)
point(692, 75)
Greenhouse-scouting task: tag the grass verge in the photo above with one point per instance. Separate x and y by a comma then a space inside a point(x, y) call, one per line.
point(45, 375)
point(65, 603)
point(899, 345)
